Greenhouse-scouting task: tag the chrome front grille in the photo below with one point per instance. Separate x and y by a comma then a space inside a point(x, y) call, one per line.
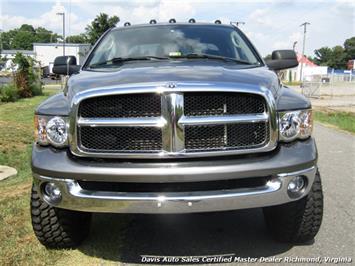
point(165, 122)
point(219, 103)
point(220, 137)
point(116, 106)
point(118, 139)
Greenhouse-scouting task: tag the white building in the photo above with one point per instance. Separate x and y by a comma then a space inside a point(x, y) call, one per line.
point(10, 54)
point(311, 71)
point(45, 53)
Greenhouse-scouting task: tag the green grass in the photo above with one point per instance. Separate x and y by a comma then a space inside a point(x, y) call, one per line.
point(292, 83)
point(18, 245)
point(17, 242)
point(341, 120)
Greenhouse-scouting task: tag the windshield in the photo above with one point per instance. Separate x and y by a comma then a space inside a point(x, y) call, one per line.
point(161, 42)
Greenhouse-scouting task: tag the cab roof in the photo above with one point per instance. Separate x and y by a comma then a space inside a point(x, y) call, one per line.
point(176, 24)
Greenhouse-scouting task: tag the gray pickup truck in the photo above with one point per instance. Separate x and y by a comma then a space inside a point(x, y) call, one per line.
point(174, 118)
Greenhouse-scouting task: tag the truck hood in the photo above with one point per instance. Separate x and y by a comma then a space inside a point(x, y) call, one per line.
point(161, 73)
point(189, 72)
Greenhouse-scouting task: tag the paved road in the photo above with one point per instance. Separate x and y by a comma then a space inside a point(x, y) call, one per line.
point(242, 233)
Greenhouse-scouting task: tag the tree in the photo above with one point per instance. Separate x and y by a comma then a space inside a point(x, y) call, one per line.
point(332, 57)
point(7, 38)
point(27, 28)
point(267, 57)
point(349, 46)
point(23, 38)
point(99, 25)
point(81, 38)
point(323, 56)
point(46, 36)
point(338, 58)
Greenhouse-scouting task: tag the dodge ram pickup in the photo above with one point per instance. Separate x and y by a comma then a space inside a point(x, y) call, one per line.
point(174, 118)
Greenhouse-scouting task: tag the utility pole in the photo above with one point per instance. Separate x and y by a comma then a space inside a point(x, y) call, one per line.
point(304, 25)
point(1, 41)
point(294, 45)
point(63, 14)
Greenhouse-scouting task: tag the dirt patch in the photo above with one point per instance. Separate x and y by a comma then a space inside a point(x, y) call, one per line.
point(347, 109)
point(15, 190)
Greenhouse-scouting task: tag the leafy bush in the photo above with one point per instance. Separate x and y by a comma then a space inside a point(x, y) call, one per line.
point(8, 93)
point(27, 79)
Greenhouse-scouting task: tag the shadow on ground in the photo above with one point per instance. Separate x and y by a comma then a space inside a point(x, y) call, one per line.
point(125, 238)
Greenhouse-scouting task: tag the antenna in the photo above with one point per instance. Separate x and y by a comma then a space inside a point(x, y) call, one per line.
point(237, 23)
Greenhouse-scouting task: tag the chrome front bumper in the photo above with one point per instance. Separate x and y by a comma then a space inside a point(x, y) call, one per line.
point(273, 193)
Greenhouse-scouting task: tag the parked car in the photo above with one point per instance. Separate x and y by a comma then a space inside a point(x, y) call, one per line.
point(174, 118)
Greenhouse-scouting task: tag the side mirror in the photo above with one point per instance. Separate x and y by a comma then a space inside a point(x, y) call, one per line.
point(282, 59)
point(65, 65)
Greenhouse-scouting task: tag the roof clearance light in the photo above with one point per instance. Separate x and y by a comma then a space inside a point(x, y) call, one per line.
point(127, 24)
point(172, 20)
point(192, 20)
point(153, 21)
point(218, 22)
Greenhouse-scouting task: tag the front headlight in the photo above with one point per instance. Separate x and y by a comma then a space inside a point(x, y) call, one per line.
point(295, 125)
point(51, 130)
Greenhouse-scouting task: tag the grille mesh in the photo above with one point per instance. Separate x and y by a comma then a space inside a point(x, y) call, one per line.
point(246, 135)
point(216, 103)
point(120, 139)
point(239, 136)
point(235, 136)
point(131, 105)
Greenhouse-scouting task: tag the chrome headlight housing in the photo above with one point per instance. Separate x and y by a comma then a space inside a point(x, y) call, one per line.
point(51, 130)
point(295, 125)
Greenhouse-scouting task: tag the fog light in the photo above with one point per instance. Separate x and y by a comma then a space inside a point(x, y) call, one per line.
point(296, 184)
point(53, 192)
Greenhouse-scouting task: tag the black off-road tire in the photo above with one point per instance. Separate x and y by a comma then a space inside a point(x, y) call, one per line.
point(57, 228)
point(298, 221)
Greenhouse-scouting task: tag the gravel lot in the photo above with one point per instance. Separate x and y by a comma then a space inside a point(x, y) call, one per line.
point(242, 233)
point(337, 97)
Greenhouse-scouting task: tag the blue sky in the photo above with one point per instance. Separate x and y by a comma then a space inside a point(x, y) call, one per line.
point(270, 24)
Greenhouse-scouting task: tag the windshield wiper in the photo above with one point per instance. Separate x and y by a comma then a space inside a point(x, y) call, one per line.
point(117, 60)
point(216, 57)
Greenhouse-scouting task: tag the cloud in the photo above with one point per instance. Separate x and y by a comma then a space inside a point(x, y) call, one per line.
point(270, 24)
point(289, 41)
point(50, 20)
point(262, 17)
point(143, 11)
